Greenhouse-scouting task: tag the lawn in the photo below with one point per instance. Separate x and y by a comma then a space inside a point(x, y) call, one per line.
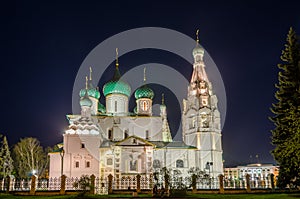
point(203, 196)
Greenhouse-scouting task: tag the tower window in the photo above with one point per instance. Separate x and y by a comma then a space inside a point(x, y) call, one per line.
point(110, 134)
point(87, 164)
point(77, 164)
point(145, 106)
point(193, 122)
point(204, 102)
point(179, 163)
point(82, 145)
point(116, 106)
point(147, 134)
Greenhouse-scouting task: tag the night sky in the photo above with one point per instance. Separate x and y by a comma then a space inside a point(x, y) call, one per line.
point(44, 44)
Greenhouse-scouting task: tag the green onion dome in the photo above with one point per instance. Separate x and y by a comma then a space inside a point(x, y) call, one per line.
point(144, 92)
point(85, 101)
point(116, 86)
point(101, 108)
point(92, 92)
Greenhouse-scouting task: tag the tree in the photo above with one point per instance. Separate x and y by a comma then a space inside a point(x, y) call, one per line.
point(286, 118)
point(6, 161)
point(30, 158)
point(1, 159)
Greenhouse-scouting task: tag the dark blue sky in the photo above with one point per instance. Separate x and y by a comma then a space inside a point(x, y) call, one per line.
point(44, 44)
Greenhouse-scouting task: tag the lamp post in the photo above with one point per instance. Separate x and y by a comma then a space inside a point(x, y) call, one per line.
point(208, 165)
point(62, 154)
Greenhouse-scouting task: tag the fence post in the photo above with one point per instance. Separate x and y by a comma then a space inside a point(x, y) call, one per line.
point(150, 181)
point(248, 183)
point(33, 185)
point(62, 185)
point(167, 177)
point(272, 181)
point(194, 183)
point(138, 183)
point(221, 183)
point(8, 180)
point(110, 178)
point(92, 189)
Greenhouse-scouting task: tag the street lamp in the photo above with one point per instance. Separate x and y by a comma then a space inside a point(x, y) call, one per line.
point(208, 165)
point(62, 154)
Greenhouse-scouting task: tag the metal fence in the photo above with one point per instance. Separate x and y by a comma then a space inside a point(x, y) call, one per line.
point(101, 186)
point(134, 182)
point(255, 183)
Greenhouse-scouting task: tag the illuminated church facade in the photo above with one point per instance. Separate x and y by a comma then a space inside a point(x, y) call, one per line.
point(108, 139)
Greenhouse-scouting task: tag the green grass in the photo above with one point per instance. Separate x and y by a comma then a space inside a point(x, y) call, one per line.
point(247, 196)
point(202, 196)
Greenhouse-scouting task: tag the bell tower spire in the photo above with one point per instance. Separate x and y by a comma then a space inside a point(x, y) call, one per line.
point(201, 126)
point(199, 80)
point(117, 58)
point(166, 133)
point(86, 83)
point(91, 73)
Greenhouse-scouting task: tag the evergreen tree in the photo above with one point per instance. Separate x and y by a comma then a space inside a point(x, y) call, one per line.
point(6, 160)
point(1, 159)
point(286, 118)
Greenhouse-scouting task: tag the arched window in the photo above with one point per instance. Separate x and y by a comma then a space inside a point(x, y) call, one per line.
point(87, 164)
point(194, 122)
point(156, 164)
point(147, 134)
point(125, 134)
point(145, 106)
point(116, 106)
point(179, 163)
point(110, 134)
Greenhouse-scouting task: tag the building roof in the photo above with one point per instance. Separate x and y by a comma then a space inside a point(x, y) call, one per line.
point(174, 144)
point(144, 92)
point(116, 85)
point(91, 91)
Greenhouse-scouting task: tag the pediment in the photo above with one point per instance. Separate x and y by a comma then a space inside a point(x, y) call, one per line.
point(134, 141)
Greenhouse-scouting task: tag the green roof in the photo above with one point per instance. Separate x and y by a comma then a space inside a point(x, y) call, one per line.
point(144, 92)
point(92, 92)
point(116, 86)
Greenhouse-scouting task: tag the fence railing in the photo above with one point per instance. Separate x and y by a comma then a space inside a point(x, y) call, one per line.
point(136, 183)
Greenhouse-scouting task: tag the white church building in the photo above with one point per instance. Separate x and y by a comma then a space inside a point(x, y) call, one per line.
point(108, 139)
